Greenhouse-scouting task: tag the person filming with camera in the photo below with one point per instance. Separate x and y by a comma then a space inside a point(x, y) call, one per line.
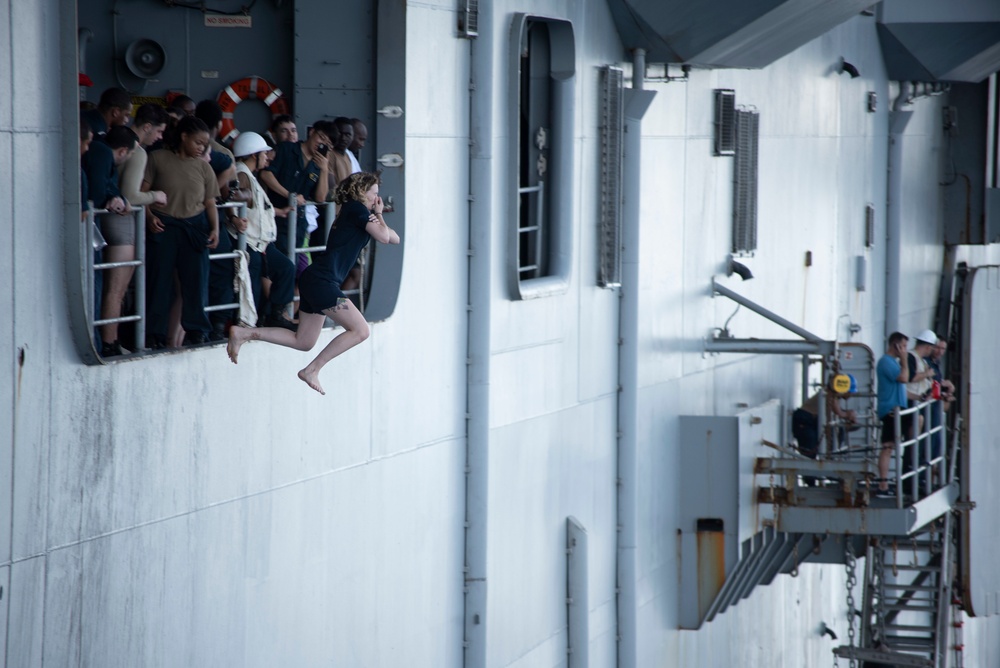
point(299, 168)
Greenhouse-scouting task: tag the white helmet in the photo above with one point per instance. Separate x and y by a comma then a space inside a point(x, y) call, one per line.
point(927, 336)
point(249, 143)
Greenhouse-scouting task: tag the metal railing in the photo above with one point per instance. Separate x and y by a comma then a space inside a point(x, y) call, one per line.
point(534, 263)
point(140, 275)
point(925, 451)
point(139, 263)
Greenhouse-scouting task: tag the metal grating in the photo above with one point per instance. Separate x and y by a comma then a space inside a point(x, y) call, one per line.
point(869, 226)
point(468, 18)
point(725, 121)
point(609, 234)
point(745, 182)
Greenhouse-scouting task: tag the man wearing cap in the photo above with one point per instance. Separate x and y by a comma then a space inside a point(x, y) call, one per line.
point(892, 374)
point(933, 360)
point(805, 420)
point(921, 376)
point(918, 389)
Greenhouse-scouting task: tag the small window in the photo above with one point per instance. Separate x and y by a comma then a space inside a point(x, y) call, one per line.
point(542, 97)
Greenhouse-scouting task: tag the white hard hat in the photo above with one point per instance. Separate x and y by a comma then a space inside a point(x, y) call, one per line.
point(249, 143)
point(927, 336)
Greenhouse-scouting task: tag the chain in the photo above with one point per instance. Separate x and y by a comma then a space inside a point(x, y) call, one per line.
point(771, 481)
point(850, 566)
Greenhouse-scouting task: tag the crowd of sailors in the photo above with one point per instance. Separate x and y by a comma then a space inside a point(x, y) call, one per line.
point(169, 161)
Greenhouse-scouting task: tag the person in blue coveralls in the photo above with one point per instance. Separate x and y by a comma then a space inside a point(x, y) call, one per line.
point(360, 220)
point(892, 375)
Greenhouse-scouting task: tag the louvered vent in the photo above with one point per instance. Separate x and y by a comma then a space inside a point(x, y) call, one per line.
point(745, 182)
point(725, 121)
point(468, 18)
point(610, 244)
point(869, 226)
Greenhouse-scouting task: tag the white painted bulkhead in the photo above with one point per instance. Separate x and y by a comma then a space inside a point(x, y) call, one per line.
point(180, 511)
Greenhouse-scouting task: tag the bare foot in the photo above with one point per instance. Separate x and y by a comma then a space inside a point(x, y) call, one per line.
point(312, 380)
point(237, 337)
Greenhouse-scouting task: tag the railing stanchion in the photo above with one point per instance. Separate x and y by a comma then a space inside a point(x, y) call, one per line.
point(899, 456)
point(140, 278)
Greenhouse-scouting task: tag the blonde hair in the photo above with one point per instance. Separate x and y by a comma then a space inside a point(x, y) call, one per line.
point(354, 187)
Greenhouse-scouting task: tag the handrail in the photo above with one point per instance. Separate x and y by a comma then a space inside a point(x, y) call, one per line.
point(139, 317)
point(139, 263)
point(140, 275)
point(922, 468)
point(241, 245)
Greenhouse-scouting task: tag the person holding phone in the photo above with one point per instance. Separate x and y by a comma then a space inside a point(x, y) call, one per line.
point(360, 220)
point(299, 168)
point(892, 375)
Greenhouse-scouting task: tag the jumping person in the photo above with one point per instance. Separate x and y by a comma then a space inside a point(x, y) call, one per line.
point(359, 220)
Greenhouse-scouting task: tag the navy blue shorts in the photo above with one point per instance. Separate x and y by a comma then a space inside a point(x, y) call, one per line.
point(889, 427)
point(318, 291)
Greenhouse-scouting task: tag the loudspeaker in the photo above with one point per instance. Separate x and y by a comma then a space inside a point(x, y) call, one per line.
point(145, 58)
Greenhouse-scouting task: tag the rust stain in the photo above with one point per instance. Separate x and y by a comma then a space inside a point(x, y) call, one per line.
point(20, 369)
point(711, 567)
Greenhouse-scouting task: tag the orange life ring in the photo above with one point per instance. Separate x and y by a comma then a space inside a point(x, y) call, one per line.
point(249, 87)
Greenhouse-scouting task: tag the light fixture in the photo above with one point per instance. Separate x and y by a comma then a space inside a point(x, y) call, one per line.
point(849, 68)
point(740, 269)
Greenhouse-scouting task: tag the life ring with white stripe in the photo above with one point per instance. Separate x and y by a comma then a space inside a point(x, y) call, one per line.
point(249, 87)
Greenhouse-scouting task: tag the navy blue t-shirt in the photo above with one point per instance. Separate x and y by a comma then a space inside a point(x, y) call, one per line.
point(347, 237)
point(102, 174)
point(296, 176)
point(95, 120)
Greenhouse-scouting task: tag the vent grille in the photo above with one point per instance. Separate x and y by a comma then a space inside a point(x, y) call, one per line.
point(870, 226)
point(745, 182)
point(468, 18)
point(725, 121)
point(611, 128)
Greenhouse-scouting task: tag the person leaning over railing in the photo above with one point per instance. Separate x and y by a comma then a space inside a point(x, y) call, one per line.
point(299, 168)
point(119, 230)
point(86, 137)
point(260, 230)
point(100, 164)
point(921, 375)
point(934, 360)
point(180, 231)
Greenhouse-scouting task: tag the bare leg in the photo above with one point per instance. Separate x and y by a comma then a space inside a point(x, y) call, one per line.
point(310, 325)
point(175, 333)
point(115, 284)
point(884, 458)
point(347, 315)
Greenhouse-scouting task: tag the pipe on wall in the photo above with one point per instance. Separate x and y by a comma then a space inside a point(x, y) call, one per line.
point(637, 101)
point(898, 118)
point(480, 268)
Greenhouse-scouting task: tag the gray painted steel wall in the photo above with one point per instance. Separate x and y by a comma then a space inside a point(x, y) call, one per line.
point(183, 511)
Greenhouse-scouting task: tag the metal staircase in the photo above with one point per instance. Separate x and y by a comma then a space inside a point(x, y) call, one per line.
point(906, 606)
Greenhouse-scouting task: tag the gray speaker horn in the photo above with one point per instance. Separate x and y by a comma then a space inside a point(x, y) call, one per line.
point(145, 58)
